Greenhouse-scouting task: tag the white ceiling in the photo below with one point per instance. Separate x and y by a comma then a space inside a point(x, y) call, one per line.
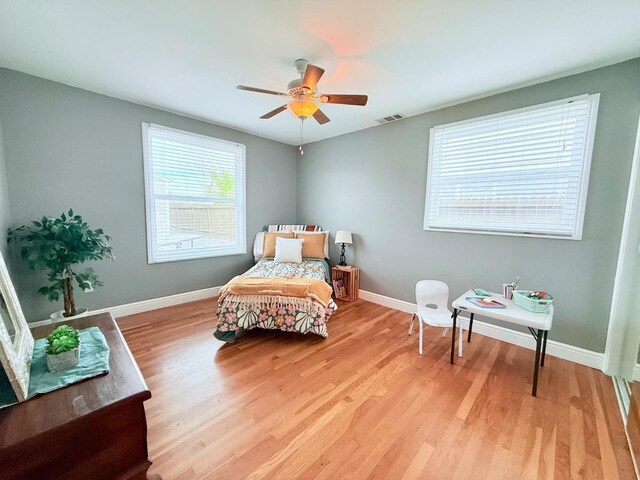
point(409, 56)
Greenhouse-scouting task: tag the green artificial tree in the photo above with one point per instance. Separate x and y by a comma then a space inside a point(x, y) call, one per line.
point(57, 246)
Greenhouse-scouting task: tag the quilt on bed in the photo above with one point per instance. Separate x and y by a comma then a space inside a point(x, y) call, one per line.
point(274, 312)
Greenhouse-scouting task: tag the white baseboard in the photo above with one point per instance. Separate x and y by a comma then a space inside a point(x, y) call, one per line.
point(636, 373)
point(557, 349)
point(147, 305)
point(388, 301)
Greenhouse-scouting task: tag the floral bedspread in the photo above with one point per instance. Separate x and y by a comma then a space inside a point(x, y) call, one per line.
point(309, 268)
point(290, 314)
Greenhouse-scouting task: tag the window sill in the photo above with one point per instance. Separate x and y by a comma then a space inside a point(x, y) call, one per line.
point(173, 260)
point(506, 234)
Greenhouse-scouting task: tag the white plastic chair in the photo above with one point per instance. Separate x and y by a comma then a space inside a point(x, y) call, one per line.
point(432, 297)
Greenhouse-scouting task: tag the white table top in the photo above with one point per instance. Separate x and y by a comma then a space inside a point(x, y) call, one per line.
point(512, 314)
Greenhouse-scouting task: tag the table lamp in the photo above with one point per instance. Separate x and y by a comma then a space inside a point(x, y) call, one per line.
point(343, 237)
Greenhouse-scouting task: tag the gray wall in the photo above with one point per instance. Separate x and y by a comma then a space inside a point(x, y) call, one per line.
point(67, 147)
point(372, 182)
point(5, 215)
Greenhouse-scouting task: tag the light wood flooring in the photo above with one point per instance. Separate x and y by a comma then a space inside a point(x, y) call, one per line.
point(363, 404)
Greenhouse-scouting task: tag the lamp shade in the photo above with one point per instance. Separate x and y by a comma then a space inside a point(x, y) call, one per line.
point(343, 236)
point(302, 108)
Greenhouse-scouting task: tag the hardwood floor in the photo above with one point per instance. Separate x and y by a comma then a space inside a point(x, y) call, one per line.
point(363, 404)
point(633, 422)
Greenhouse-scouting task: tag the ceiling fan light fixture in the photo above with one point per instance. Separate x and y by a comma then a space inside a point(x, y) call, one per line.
point(304, 95)
point(302, 107)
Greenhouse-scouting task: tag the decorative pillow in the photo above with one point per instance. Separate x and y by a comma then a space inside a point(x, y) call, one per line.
point(289, 250)
point(313, 246)
point(326, 240)
point(270, 242)
point(292, 228)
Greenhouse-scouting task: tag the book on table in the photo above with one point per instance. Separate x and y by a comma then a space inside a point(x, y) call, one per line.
point(485, 302)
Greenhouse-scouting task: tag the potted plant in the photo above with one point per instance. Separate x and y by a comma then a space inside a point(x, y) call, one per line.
point(63, 348)
point(57, 246)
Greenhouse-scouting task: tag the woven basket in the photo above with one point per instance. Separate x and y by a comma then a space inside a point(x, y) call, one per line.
point(532, 304)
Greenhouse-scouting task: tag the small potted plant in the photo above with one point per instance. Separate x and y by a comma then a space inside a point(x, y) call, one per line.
point(57, 245)
point(63, 348)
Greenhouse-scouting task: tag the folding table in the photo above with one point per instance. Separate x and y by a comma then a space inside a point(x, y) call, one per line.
point(538, 324)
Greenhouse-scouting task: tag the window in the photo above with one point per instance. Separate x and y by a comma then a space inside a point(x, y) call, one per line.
point(195, 195)
point(523, 172)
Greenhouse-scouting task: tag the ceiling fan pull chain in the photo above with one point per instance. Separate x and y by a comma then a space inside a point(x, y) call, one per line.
point(301, 140)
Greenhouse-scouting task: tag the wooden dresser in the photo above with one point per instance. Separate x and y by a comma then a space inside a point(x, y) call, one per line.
point(95, 429)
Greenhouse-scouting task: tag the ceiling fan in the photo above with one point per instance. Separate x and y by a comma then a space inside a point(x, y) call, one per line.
point(304, 96)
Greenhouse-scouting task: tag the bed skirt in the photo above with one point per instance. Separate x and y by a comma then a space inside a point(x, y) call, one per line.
point(271, 312)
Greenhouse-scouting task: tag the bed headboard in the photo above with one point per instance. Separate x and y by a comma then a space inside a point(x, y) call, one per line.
point(292, 228)
point(258, 244)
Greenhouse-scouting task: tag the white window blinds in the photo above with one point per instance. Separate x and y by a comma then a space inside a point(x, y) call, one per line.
point(195, 195)
point(523, 172)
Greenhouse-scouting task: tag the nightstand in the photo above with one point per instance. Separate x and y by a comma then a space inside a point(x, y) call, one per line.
point(351, 278)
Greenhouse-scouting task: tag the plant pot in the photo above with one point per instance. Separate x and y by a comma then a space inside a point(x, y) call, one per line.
point(64, 360)
point(59, 315)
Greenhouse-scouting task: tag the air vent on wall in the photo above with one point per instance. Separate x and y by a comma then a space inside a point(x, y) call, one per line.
point(390, 118)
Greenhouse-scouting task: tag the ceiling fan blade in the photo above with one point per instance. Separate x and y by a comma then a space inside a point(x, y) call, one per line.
point(360, 100)
point(320, 117)
point(260, 90)
point(311, 76)
point(274, 112)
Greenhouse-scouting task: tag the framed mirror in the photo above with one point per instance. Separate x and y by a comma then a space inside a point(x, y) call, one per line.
point(16, 341)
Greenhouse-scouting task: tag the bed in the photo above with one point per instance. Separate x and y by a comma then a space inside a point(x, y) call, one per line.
point(272, 311)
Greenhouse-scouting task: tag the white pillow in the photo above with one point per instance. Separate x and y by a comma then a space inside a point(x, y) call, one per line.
point(258, 246)
point(326, 239)
point(288, 250)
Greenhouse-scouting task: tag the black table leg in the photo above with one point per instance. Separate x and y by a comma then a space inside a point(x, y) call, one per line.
point(470, 327)
point(453, 333)
point(544, 347)
point(534, 389)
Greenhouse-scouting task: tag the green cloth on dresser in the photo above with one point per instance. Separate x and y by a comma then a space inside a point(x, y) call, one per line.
point(93, 361)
